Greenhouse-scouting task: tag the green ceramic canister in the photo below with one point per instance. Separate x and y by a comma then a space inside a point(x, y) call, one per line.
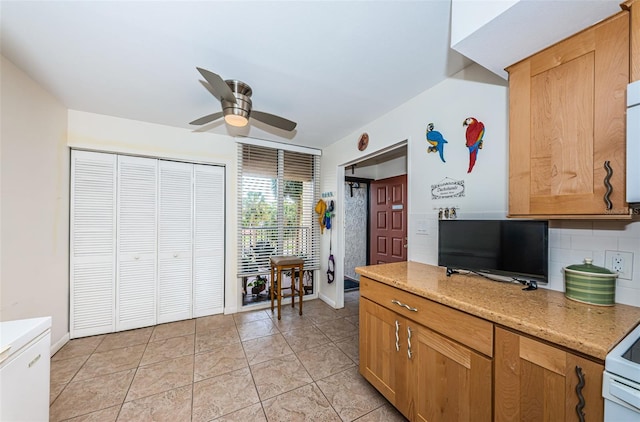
point(589, 283)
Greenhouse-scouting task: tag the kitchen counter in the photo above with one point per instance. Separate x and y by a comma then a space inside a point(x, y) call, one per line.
point(546, 314)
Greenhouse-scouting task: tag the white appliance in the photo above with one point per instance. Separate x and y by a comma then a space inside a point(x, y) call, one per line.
point(25, 349)
point(621, 380)
point(633, 144)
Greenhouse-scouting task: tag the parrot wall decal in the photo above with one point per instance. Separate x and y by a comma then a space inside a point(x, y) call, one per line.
point(436, 140)
point(475, 133)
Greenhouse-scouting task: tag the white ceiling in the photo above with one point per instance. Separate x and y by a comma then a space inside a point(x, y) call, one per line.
point(330, 66)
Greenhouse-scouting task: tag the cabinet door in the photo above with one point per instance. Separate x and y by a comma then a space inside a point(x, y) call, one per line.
point(209, 204)
point(175, 241)
point(92, 243)
point(566, 119)
point(24, 382)
point(137, 243)
point(383, 351)
point(450, 382)
point(537, 382)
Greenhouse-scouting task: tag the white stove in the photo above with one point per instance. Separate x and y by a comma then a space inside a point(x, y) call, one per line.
point(621, 380)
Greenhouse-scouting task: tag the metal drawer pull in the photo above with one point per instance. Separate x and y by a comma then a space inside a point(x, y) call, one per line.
point(579, 387)
point(607, 184)
point(397, 337)
point(33, 362)
point(409, 343)
point(397, 302)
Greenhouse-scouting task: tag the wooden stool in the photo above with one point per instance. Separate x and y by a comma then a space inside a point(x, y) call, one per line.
point(278, 264)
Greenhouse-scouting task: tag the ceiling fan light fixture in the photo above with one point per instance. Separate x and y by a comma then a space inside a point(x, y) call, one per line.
point(235, 98)
point(237, 114)
point(236, 120)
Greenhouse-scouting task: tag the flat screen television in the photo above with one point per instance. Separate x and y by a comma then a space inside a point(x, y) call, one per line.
point(518, 249)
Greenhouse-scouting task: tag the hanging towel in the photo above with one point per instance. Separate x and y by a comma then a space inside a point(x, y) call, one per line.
point(321, 208)
point(328, 214)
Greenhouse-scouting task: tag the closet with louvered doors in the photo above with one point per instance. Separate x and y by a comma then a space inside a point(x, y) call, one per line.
point(147, 242)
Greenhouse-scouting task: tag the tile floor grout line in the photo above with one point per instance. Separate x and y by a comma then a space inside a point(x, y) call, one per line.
point(318, 314)
point(124, 399)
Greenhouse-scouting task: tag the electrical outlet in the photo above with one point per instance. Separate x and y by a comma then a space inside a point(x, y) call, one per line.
point(617, 264)
point(620, 262)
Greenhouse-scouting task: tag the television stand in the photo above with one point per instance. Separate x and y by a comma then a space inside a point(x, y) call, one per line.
point(451, 271)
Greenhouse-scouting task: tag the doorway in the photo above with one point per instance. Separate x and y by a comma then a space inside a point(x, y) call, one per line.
point(388, 227)
point(356, 228)
point(358, 220)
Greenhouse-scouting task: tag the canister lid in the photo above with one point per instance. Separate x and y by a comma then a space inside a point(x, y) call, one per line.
point(588, 267)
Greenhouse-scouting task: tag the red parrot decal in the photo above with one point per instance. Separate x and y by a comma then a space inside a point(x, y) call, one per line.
point(475, 133)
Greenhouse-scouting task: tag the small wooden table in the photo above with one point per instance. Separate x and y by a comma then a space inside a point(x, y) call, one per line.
point(291, 263)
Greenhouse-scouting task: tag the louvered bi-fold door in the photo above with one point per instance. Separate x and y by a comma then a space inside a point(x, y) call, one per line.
point(92, 243)
point(209, 240)
point(175, 241)
point(137, 243)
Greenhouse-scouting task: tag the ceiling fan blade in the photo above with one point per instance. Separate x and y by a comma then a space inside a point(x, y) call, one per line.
point(210, 89)
point(207, 119)
point(273, 120)
point(218, 85)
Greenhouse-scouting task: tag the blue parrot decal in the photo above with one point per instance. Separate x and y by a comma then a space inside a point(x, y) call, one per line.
point(436, 140)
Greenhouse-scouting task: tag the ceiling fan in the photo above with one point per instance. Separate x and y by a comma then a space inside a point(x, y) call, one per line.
point(235, 97)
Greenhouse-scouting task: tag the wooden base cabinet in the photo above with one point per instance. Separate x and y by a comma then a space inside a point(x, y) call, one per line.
point(381, 360)
point(450, 382)
point(534, 381)
point(425, 375)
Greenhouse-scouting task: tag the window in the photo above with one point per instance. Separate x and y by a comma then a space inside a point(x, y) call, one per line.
point(276, 200)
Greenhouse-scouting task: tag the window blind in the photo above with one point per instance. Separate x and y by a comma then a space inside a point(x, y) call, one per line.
point(277, 190)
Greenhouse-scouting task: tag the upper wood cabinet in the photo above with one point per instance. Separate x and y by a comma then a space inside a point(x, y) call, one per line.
point(633, 6)
point(567, 108)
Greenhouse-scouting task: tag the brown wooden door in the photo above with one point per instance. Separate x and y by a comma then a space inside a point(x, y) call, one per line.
point(382, 363)
point(388, 220)
point(451, 382)
point(535, 381)
point(566, 118)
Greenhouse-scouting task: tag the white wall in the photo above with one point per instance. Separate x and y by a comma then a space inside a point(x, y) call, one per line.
point(467, 16)
point(34, 276)
point(112, 134)
point(391, 168)
point(473, 92)
point(572, 241)
point(37, 131)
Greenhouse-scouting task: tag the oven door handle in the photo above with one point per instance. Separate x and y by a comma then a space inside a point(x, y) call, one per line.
point(625, 393)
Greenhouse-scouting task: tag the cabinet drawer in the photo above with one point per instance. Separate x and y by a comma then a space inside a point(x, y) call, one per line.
point(473, 332)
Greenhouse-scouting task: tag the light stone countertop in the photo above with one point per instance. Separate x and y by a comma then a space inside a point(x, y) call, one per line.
point(547, 314)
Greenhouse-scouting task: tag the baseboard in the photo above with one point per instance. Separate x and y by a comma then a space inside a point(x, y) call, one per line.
point(326, 300)
point(58, 344)
point(230, 310)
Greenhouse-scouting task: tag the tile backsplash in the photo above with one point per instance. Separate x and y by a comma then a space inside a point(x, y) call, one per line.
point(572, 241)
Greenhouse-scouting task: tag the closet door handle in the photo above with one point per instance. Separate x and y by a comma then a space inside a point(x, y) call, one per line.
point(397, 336)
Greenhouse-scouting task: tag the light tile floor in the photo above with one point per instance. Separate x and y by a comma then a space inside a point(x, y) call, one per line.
point(243, 367)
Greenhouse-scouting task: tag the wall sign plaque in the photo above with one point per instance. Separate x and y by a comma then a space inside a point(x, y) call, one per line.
point(447, 188)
